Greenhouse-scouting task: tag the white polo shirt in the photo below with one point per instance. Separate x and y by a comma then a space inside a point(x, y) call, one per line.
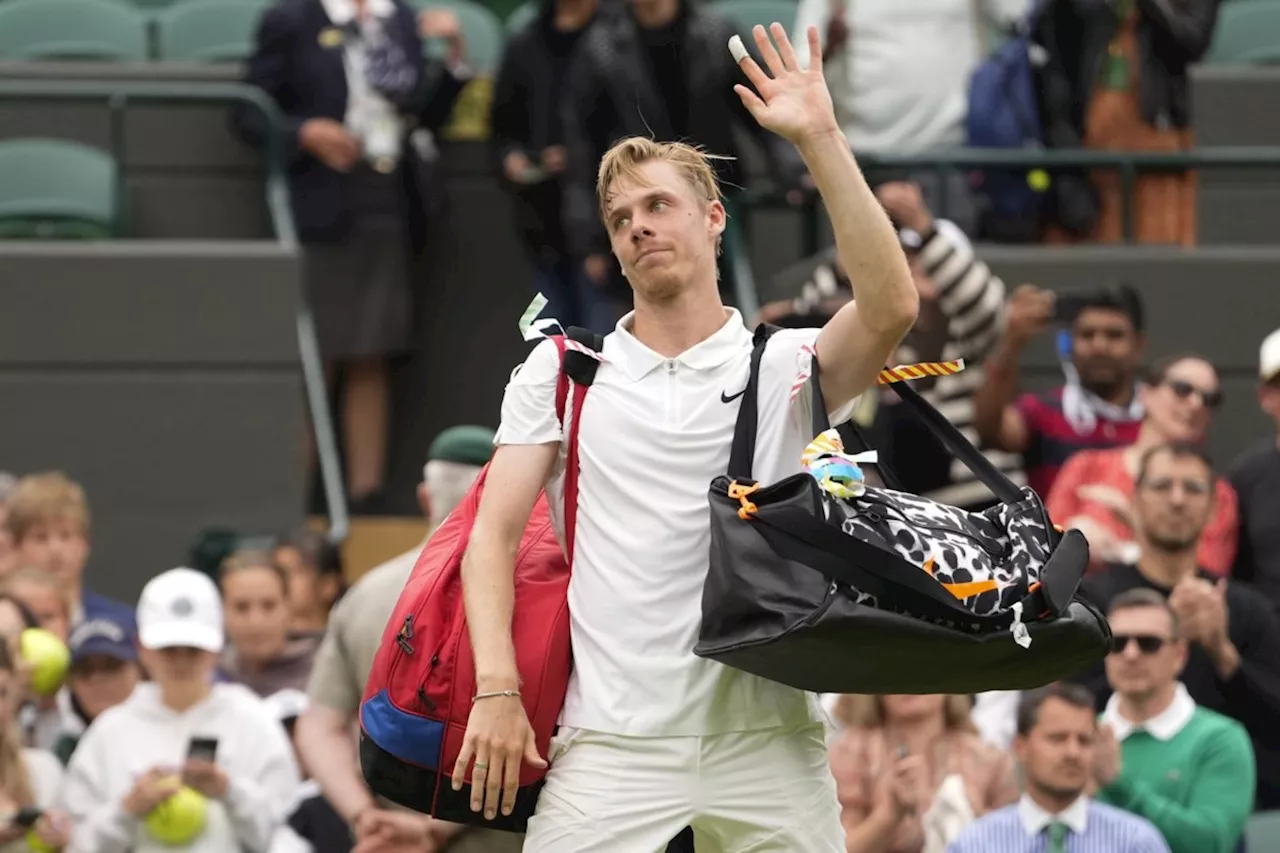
point(655, 432)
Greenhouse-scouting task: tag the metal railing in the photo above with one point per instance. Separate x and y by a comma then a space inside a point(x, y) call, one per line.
point(1129, 164)
point(118, 94)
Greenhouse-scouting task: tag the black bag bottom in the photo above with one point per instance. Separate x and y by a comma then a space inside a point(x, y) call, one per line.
point(844, 647)
point(416, 788)
point(892, 646)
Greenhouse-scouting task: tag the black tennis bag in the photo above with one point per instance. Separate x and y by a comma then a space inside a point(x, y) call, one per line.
point(874, 593)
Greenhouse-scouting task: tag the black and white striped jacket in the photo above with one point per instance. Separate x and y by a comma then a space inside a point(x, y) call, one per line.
point(971, 304)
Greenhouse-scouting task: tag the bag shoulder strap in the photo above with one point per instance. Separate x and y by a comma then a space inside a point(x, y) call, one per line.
point(576, 368)
point(742, 454)
point(952, 439)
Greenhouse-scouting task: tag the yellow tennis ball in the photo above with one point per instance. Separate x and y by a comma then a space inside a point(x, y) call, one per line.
point(35, 845)
point(179, 819)
point(48, 658)
point(1038, 180)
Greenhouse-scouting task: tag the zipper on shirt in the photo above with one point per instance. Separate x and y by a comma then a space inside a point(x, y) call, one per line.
point(672, 399)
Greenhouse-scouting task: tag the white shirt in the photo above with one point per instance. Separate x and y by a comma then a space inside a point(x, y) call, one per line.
point(370, 116)
point(900, 83)
point(654, 434)
point(1034, 818)
point(995, 714)
point(142, 733)
point(1163, 726)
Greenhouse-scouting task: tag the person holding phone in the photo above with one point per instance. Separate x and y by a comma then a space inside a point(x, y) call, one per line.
point(1096, 407)
point(183, 728)
point(29, 778)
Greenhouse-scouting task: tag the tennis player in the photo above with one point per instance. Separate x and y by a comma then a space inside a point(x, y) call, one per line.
point(653, 738)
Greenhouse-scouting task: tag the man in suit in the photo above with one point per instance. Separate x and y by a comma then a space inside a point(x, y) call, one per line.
point(361, 108)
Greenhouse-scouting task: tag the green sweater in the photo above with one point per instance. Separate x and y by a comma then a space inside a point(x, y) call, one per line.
point(1196, 788)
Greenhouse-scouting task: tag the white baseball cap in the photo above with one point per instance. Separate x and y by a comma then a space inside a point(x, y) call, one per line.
point(1269, 357)
point(180, 607)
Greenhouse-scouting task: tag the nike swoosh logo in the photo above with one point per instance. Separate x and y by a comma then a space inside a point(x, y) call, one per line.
point(726, 399)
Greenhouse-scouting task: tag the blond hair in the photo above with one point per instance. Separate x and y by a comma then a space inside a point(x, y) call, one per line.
point(45, 498)
point(624, 159)
point(867, 712)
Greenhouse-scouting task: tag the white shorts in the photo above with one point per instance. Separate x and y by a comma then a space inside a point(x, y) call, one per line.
point(767, 791)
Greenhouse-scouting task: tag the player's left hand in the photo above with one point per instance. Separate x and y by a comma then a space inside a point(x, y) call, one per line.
point(790, 101)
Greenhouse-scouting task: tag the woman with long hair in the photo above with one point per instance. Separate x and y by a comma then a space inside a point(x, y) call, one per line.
point(29, 778)
point(911, 772)
point(1094, 490)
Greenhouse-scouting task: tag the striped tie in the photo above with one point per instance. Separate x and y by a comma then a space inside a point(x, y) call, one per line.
point(1057, 833)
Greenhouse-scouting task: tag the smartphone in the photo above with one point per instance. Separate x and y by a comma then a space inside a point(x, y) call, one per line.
point(203, 748)
point(27, 817)
point(1067, 306)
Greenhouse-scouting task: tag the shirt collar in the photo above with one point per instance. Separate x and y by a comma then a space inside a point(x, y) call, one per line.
point(342, 12)
point(1034, 818)
point(636, 359)
point(1163, 726)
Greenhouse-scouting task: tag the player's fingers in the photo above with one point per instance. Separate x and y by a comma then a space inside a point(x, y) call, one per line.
point(815, 50)
point(785, 50)
point(750, 100)
point(480, 775)
point(748, 65)
point(493, 782)
point(768, 51)
point(510, 782)
point(464, 758)
point(531, 752)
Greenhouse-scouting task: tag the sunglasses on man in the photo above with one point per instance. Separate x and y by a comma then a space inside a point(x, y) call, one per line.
point(1211, 399)
point(1148, 644)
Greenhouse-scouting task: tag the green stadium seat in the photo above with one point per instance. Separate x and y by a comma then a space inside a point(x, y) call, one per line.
point(208, 30)
point(1262, 832)
point(72, 29)
point(152, 6)
point(521, 16)
point(481, 28)
point(745, 14)
point(1248, 33)
point(56, 189)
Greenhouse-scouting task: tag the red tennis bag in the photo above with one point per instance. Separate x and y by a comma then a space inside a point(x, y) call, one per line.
point(418, 697)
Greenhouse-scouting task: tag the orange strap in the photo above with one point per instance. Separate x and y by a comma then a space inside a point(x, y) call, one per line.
point(739, 492)
point(971, 588)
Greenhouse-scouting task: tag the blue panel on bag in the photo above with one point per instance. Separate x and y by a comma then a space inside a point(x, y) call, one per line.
point(408, 737)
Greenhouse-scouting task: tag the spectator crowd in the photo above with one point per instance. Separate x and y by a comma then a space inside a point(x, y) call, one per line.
point(364, 109)
point(220, 712)
point(232, 697)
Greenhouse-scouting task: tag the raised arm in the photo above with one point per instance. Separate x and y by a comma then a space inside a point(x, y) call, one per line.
point(795, 104)
point(998, 421)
